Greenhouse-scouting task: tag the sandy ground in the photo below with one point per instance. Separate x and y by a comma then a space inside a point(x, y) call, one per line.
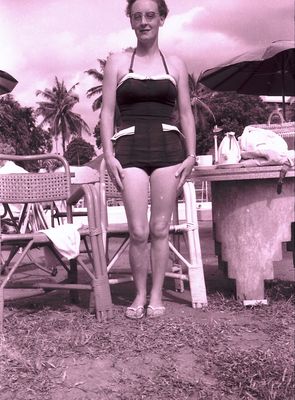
point(135, 373)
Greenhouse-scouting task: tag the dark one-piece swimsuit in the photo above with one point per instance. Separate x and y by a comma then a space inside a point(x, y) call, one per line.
point(148, 137)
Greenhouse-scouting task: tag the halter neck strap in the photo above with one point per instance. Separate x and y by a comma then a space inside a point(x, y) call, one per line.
point(132, 62)
point(164, 62)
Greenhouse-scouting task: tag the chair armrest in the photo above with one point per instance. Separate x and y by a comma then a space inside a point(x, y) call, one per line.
point(86, 192)
point(76, 195)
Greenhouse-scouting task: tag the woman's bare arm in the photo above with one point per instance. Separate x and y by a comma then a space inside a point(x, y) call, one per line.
point(107, 118)
point(186, 117)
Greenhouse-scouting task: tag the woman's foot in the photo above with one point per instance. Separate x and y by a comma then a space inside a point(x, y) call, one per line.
point(135, 312)
point(137, 308)
point(155, 311)
point(155, 308)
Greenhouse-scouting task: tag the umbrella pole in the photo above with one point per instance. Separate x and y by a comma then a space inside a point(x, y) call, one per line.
point(215, 149)
point(284, 107)
point(283, 87)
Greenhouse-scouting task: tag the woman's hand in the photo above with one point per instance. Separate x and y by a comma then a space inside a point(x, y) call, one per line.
point(115, 171)
point(185, 170)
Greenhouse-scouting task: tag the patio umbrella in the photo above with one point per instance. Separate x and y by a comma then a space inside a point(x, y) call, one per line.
point(266, 71)
point(7, 82)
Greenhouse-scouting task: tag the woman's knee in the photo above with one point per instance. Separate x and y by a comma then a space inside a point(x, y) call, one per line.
point(159, 229)
point(139, 233)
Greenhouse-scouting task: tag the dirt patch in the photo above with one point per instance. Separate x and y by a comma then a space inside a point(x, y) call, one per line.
point(52, 350)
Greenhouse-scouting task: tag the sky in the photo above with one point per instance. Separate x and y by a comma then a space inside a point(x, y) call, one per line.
point(41, 39)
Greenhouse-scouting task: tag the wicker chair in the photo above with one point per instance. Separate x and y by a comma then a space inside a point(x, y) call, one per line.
point(79, 176)
point(114, 225)
point(48, 187)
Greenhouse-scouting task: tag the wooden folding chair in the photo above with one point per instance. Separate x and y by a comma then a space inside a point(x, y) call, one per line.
point(114, 224)
point(48, 187)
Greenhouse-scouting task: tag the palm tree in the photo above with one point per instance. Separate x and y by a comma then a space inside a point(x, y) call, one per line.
point(96, 90)
point(57, 111)
point(198, 95)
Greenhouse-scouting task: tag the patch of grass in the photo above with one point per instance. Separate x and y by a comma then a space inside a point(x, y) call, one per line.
point(260, 375)
point(224, 352)
point(167, 385)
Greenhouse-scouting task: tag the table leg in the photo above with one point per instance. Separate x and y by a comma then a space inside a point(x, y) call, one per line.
point(251, 221)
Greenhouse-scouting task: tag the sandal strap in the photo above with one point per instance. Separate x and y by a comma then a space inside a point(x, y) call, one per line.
point(156, 308)
point(135, 308)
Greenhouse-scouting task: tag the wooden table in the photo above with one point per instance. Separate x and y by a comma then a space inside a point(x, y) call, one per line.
point(250, 222)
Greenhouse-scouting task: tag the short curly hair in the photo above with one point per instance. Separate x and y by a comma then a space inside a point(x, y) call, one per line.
point(162, 6)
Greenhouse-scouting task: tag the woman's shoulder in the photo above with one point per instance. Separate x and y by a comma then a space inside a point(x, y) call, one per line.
point(176, 65)
point(119, 62)
point(120, 57)
point(175, 61)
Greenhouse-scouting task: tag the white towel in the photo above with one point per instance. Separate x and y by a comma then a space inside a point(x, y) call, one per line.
point(66, 239)
point(258, 139)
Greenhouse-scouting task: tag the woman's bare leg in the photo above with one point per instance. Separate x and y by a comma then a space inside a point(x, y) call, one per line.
point(135, 197)
point(163, 196)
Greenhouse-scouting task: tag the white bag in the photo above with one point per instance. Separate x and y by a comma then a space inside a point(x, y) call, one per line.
point(229, 149)
point(264, 147)
point(258, 139)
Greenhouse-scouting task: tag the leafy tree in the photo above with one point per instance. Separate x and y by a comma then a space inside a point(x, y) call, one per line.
point(228, 110)
point(235, 111)
point(5, 109)
point(79, 152)
point(18, 128)
point(57, 111)
point(97, 136)
point(291, 110)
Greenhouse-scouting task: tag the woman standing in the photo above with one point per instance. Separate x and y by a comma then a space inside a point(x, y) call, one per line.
point(149, 154)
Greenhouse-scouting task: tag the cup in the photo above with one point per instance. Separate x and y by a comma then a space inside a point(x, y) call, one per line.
point(204, 160)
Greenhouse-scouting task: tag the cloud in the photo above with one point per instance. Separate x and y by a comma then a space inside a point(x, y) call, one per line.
point(247, 22)
point(43, 39)
point(215, 31)
point(200, 49)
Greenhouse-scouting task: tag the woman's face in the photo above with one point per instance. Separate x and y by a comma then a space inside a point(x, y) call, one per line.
point(145, 19)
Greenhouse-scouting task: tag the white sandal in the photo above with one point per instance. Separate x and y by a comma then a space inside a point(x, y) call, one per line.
point(135, 312)
point(155, 312)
